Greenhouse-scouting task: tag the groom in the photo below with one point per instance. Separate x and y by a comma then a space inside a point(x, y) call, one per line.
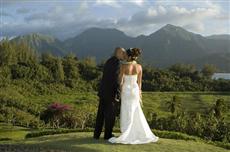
point(109, 95)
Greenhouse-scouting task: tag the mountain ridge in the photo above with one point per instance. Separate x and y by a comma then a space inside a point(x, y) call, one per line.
point(169, 45)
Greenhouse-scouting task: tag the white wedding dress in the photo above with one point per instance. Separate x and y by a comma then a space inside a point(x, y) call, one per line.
point(133, 125)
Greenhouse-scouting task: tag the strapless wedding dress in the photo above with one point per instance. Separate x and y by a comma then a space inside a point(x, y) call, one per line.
point(133, 125)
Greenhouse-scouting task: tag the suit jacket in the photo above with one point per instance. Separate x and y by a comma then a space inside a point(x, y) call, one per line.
point(109, 89)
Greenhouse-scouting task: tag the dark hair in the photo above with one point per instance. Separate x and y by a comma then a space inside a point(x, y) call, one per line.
point(133, 53)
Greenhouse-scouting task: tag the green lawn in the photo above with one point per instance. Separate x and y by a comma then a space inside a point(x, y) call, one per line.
point(9, 132)
point(83, 142)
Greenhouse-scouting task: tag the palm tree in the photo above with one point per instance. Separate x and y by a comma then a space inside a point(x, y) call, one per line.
point(174, 104)
point(218, 108)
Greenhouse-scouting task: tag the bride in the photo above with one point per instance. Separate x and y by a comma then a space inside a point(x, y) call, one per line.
point(133, 125)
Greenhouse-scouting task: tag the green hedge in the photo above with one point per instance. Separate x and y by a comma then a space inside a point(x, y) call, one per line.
point(174, 135)
point(55, 131)
point(161, 134)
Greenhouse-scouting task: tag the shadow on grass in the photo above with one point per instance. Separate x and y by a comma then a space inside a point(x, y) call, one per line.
point(82, 144)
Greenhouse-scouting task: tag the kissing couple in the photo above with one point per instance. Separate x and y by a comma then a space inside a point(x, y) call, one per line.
point(120, 93)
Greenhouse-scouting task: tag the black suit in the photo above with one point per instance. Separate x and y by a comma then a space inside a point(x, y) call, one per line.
point(109, 95)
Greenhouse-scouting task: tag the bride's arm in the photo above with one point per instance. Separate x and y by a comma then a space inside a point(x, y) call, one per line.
point(139, 81)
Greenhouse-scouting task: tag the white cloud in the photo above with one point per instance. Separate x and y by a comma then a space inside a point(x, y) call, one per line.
point(192, 19)
point(120, 3)
point(138, 2)
point(112, 3)
point(67, 21)
point(195, 27)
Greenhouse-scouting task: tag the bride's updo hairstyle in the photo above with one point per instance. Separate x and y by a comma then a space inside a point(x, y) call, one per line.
point(133, 53)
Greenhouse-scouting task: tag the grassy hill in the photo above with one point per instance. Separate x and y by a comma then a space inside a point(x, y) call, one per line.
point(83, 142)
point(152, 101)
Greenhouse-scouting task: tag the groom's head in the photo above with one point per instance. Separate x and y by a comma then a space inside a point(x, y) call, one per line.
point(119, 52)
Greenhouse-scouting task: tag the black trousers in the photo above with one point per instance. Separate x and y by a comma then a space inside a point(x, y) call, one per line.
point(106, 113)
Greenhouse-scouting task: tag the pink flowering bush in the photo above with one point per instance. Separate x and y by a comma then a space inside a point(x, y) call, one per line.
point(58, 107)
point(55, 114)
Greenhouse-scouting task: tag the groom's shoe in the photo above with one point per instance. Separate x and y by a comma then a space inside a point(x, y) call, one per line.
point(95, 137)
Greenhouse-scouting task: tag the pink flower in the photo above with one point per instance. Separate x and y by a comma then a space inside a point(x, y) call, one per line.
point(59, 107)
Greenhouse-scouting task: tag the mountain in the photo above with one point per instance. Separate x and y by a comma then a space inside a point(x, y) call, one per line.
point(172, 44)
point(168, 45)
point(42, 43)
point(219, 37)
point(98, 42)
point(220, 60)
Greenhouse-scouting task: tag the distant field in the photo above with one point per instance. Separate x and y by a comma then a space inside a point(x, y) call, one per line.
point(153, 101)
point(190, 101)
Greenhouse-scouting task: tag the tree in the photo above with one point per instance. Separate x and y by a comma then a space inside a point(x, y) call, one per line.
point(25, 54)
point(218, 108)
point(88, 69)
point(183, 70)
point(54, 64)
point(70, 66)
point(58, 70)
point(7, 53)
point(208, 70)
point(174, 104)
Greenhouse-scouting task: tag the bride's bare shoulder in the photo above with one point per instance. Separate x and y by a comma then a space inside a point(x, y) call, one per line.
point(139, 65)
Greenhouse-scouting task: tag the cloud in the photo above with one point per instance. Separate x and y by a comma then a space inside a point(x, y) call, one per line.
point(173, 14)
point(112, 3)
point(193, 19)
point(120, 3)
point(138, 2)
point(23, 10)
point(68, 19)
point(5, 14)
point(195, 26)
point(59, 21)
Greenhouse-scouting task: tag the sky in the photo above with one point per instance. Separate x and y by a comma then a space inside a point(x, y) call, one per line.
point(67, 18)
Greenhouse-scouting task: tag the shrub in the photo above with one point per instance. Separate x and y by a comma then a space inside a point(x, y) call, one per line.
point(54, 114)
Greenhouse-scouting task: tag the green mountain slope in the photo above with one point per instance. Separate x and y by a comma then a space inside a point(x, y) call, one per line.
point(42, 43)
point(169, 45)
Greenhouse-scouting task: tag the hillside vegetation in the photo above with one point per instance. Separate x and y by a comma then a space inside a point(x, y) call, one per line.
point(50, 92)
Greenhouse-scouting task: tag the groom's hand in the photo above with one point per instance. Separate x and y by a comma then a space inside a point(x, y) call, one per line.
point(117, 98)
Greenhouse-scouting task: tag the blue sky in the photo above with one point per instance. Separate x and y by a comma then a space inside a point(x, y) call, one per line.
point(67, 18)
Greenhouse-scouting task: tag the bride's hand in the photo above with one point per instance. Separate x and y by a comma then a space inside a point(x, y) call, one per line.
point(140, 94)
point(141, 99)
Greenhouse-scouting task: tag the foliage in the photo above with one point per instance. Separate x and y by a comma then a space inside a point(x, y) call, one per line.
point(54, 114)
point(210, 126)
point(26, 78)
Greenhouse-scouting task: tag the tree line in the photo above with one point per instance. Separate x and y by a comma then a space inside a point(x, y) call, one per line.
point(20, 62)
